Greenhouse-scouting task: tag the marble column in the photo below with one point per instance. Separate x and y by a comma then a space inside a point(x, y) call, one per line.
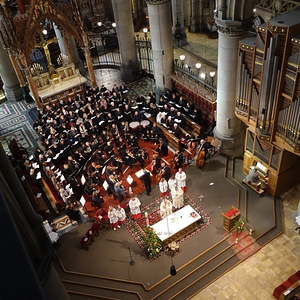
point(159, 12)
point(125, 31)
point(61, 43)
point(11, 85)
point(178, 23)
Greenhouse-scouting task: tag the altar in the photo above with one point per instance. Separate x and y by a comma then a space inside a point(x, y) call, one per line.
point(68, 82)
point(177, 224)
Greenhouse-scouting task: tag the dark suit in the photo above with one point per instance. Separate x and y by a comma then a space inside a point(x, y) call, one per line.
point(146, 178)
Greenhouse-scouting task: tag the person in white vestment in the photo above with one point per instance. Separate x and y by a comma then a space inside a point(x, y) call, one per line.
point(180, 177)
point(172, 183)
point(165, 208)
point(121, 215)
point(177, 197)
point(113, 217)
point(163, 187)
point(134, 205)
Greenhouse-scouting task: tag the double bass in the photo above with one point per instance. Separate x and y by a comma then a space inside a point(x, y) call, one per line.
point(200, 160)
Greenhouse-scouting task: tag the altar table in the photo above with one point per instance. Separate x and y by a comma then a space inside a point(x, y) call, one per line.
point(181, 220)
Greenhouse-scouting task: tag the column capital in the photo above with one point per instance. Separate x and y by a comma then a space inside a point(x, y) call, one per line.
point(156, 2)
point(233, 28)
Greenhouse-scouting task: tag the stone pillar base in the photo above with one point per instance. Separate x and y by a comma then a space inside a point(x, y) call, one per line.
point(130, 72)
point(179, 37)
point(231, 146)
point(14, 93)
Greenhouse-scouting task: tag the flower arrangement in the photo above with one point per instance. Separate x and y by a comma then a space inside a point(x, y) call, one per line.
point(153, 245)
point(239, 225)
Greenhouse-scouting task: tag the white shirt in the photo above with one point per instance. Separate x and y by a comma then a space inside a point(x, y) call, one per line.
point(163, 186)
point(181, 179)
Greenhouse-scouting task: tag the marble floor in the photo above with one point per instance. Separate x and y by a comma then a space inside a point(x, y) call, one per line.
point(257, 277)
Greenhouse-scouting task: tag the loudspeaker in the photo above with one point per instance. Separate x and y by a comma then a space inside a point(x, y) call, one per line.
point(173, 271)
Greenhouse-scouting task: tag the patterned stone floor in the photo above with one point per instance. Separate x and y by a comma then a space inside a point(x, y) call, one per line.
point(16, 123)
point(256, 278)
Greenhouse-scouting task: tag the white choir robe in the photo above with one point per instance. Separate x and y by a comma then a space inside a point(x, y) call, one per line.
point(181, 179)
point(113, 216)
point(163, 186)
point(134, 205)
point(177, 198)
point(165, 208)
point(172, 184)
point(121, 214)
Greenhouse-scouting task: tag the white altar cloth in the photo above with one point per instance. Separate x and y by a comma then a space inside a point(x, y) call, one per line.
point(62, 86)
point(175, 222)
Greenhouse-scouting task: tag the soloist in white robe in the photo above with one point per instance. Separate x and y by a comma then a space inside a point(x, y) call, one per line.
point(181, 179)
point(177, 197)
point(113, 216)
point(163, 186)
point(165, 208)
point(172, 184)
point(134, 205)
point(121, 214)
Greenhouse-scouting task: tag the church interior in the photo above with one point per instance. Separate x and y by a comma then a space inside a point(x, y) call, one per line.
point(150, 149)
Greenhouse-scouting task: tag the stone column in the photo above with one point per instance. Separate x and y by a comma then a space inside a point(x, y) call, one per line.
point(61, 43)
point(89, 62)
point(125, 32)
point(194, 16)
point(11, 87)
point(227, 124)
point(178, 23)
point(187, 12)
point(159, 12)
point(232, 26)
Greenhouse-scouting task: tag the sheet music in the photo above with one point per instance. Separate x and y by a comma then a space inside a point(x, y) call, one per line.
point(105, 185)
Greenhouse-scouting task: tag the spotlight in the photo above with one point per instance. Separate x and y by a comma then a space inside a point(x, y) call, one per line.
point(254, 10)
point(99, 24)
point(145, 30)
point(44, 31)
point(182, 57)
point(114, 25)
point(198, 65)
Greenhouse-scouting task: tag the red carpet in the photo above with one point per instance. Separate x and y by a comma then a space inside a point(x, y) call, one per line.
point(137, 186)
point(136, 228)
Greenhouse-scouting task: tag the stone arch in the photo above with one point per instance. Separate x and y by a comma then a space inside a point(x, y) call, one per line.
point(42, 10)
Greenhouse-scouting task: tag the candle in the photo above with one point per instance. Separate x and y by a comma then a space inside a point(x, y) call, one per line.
point(147, 219)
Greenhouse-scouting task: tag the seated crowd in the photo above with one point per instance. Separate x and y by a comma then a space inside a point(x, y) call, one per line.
point(91, 141)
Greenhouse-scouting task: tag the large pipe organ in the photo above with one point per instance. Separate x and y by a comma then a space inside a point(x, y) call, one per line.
point(268, 99)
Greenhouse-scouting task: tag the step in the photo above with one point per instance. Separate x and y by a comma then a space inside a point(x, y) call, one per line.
point(202, 270)
point(74, 295)
point(97, 291)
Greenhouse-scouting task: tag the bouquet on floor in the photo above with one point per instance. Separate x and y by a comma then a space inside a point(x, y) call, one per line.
point(153, 245)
